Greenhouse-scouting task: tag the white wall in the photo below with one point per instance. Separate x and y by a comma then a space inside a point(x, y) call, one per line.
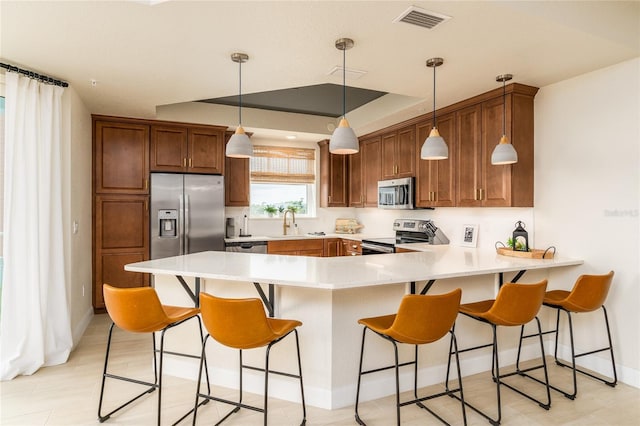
point(76, 159)
point(587, 201)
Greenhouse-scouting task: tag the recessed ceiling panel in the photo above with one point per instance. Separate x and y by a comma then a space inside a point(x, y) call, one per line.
point(321, 99)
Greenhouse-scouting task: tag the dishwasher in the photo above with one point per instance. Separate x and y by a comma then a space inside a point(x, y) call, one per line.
point(247, 246)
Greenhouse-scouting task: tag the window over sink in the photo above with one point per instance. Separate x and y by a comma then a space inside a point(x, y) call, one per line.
point(282, 178)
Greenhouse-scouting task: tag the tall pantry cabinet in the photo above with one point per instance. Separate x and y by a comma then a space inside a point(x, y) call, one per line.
point(125, 151)
point(121, 203)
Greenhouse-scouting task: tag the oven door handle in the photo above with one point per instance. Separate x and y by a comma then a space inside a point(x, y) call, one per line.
point(375, 247)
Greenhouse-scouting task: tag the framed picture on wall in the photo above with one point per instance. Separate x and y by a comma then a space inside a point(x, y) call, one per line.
point(469, 235)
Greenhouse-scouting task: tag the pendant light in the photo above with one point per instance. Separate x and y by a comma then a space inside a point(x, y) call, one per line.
point(344, 139)
point(239, 145)
point(504, 152)
point(434, 147)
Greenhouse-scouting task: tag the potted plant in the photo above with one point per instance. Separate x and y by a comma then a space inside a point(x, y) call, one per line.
point(270, 210)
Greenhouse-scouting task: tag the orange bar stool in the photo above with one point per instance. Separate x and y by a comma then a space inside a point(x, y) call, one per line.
point(421, 319)
point(588, 294)
point(515, 305)
point(242, 324)
point(138, 310)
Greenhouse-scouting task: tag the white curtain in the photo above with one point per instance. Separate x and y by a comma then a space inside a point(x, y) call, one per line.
point(35, 328)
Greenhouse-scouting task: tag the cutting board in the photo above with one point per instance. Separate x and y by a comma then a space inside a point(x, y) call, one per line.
point(347, 226)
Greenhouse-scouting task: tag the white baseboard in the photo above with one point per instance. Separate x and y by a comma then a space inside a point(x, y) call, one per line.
point(599, 363)
point(81, 327)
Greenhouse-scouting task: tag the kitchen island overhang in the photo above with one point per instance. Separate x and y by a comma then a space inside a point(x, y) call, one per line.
point(343, 272)
point(329, 295)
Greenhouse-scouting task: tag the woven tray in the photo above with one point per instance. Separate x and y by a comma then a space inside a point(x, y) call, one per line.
point(531, 254)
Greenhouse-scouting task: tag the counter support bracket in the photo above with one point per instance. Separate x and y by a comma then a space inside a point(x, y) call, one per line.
point(426, 288)
point(514, 279)
point(269, 302)
point(194, 295)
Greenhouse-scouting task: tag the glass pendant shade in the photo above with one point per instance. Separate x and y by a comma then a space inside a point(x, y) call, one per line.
point(434, 147)
point(239, 145)
point(344, 139)
point(504, 153)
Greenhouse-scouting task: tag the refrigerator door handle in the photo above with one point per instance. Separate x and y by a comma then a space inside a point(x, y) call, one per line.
point(180, 225)
point(186, 224)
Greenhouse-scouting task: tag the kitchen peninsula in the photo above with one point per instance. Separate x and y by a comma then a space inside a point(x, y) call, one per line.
point(329, 295)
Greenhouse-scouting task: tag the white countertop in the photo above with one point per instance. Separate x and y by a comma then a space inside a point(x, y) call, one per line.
point(335, 273)
point(253, 238)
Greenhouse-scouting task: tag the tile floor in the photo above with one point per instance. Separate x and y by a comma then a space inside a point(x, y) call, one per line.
point(68, 395)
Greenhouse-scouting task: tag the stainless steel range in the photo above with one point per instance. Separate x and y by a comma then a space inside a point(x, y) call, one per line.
point(407, 231)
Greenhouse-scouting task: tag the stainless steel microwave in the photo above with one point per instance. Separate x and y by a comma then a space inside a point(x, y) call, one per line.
point(396, 194)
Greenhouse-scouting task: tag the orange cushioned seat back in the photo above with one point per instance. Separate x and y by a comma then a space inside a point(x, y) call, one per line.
point(136, 309)
point(237, 323)
point(516, 304)
point(425, 318)
point(589, 292)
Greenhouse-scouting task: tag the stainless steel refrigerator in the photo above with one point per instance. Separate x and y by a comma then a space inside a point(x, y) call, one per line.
point(187, 214)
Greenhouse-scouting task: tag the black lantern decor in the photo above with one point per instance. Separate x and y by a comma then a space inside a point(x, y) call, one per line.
point(520, 237)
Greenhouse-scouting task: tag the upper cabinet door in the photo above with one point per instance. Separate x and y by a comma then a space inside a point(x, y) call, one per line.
point(168, 149)
point(121, 157)
point(388, 155)
point(356, 184)
point(236, 180)
point(469, 164)
point(435, 179)
point(398, 153)
point(206, 151)
point(187, 149)
point(333, 177)
point(496, 179)
point(371, 150)
point(406, 152)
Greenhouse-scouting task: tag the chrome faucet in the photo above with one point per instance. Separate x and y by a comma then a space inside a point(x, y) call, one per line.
point(293, 221)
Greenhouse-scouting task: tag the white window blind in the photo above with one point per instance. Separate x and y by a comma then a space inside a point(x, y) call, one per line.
point(283, 164)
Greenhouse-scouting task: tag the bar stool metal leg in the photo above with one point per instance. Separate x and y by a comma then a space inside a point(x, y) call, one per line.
point(151, 386)
point(242, 324)
point(420, 320)
point(574, 369)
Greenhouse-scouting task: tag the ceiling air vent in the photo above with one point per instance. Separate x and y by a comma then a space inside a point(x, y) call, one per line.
point(421, 17)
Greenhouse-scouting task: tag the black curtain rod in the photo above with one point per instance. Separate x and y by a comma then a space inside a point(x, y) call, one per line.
point(34, 75)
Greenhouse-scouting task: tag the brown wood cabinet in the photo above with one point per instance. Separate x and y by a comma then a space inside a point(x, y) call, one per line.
point(121, 153)
point(479, 127)
point(297, 247)
point(404, 250)
point(332, 247)
point(187, 149)
point(471, 129)
point(351, 247)
point(356, 181)
point(371, 150)
point(125, 150)
point(399, 153)
point(435, 179)
point(333, 177)
point(236, 180)
point(121, 236)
